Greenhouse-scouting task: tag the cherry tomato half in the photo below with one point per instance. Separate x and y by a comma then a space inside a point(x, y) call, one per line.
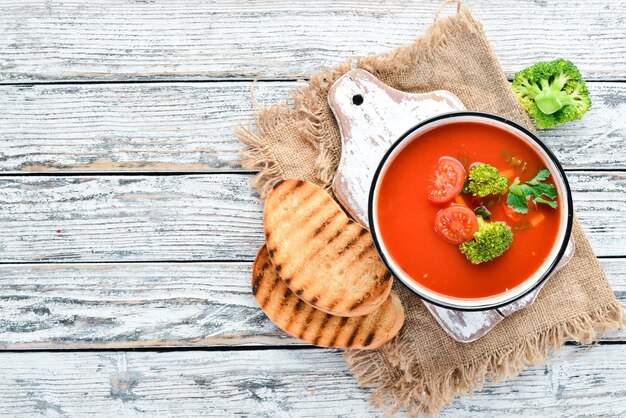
point(446, 181)
point(456, 224)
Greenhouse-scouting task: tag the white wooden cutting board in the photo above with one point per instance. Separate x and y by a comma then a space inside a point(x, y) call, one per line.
point(371, 117)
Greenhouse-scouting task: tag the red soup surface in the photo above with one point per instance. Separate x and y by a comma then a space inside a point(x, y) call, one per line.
point(406, 216)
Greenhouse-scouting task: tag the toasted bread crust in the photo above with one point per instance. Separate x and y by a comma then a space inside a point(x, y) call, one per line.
point(324, 257)
point(301, 320)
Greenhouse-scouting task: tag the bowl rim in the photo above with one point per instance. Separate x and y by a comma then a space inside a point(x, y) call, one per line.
point(451, 115)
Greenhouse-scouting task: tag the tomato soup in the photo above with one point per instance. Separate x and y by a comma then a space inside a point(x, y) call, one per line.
point(405, 215)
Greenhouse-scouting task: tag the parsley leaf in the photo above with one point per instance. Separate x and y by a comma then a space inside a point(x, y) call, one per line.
point(541, 176)
point(540, 192)
point(550, 203)
point(547, 190)
point(517, 203)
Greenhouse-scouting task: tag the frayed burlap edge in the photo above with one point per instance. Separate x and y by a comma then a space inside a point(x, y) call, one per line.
point(427, 394)
point(306, 106)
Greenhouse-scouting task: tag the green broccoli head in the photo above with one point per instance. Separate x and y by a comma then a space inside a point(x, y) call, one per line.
point(552, 92)
point(490, 241)
point(484, 179)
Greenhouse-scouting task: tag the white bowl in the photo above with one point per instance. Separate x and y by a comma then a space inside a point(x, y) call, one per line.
point(558, 253)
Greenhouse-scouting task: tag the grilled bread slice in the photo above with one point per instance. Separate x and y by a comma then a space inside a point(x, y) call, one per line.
point(325, 258)
point(297, 318)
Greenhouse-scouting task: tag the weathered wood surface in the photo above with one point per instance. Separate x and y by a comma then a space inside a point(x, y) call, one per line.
point(127, 127)
point(134, 305)
point(283, 383)
point(198, 39)
point(132, 218)
point(199, 217)
point(188, 127)
point(170, 126)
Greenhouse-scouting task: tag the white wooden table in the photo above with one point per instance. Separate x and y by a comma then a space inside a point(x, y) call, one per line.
point(128, 226)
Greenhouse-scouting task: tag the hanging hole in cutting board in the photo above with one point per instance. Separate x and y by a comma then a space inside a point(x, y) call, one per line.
point(357, 99)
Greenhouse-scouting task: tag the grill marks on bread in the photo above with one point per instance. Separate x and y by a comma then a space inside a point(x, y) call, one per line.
point(300, 320)
point(324, 257)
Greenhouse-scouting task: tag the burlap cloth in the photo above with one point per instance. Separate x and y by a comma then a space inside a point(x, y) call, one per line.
point(423, 368)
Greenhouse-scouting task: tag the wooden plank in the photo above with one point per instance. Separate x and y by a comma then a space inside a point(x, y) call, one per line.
point(188, 127)
point(198, 217)
point(578, 382)
point(127, 127)
point(131, 305)
point(198, 39)
point(129, 218)
point(95, 306)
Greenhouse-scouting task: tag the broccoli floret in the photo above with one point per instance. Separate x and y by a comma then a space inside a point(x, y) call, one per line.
point(552, 92)
point(490, 241)
point(484, 179)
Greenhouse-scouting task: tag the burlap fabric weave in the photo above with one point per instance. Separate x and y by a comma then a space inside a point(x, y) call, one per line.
point(422, 369)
